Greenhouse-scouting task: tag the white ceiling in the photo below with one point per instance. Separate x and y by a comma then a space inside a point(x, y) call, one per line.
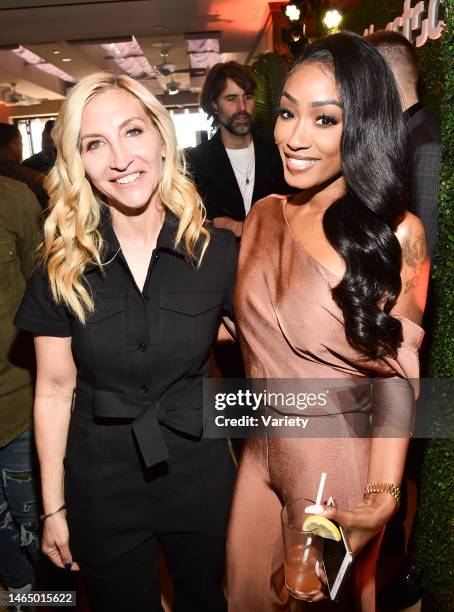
point(76, 28)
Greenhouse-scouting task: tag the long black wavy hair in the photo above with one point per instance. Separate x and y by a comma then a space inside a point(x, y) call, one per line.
point(361, 224)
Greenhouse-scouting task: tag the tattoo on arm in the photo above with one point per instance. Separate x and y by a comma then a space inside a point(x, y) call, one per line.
point(414, 256)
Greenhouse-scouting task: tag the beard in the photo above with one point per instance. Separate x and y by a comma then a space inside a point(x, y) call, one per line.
point(238, 129)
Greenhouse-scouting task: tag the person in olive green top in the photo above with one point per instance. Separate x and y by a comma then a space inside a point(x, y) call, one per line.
point(20, 219)
point(11, 166)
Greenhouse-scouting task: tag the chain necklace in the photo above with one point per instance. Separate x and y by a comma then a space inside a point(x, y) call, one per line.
point(246, 175)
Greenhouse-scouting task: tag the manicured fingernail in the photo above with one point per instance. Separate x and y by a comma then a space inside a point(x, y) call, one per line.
point(317, 568)
point(314, 509)
point(68, 566)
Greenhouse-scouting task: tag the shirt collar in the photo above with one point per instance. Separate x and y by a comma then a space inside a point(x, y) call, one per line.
point(412, 110)
point(165, 242)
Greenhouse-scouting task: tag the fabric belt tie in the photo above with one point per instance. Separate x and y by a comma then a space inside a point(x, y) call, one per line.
point(146, 418)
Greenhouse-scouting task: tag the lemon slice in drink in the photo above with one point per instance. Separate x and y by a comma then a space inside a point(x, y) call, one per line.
point(321, 526)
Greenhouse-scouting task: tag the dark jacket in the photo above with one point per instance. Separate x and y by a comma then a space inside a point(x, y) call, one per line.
point(40, 162)
point(425, 164)
point(215, 179)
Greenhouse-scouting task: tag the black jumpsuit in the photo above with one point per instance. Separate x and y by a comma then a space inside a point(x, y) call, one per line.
point(138, 473)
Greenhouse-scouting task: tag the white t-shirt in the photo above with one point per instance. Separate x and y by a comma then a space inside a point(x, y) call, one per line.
point(243, 164)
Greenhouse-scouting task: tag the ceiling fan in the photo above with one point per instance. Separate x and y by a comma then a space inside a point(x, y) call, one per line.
point(12, 97)
point(165, 68)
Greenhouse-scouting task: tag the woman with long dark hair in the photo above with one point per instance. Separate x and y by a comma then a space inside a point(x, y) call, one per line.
point(332, 285)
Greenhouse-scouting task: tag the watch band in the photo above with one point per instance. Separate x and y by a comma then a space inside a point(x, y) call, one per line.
point(383, 487)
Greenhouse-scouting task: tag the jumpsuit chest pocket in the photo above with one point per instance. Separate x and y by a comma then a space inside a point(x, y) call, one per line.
point(189, 321)
point(106, 328)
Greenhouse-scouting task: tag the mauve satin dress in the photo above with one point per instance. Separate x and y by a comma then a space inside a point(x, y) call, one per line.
point(290, 327)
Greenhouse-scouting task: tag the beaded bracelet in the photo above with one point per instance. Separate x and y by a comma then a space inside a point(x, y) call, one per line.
point(43, 517)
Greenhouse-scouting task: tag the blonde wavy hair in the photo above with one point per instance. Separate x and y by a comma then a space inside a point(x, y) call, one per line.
point(72, 239)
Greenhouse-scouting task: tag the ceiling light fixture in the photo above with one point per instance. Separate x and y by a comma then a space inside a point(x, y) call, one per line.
point(173, 87)
point(56, 52)
point(298, 12)
point(292, 12)
point(66, 59)
point(162, 44)
point(297, 33)
point(332, 19)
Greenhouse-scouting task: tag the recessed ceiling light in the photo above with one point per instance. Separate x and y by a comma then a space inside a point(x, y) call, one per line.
point(57, 52)
point(66, 59)
point(158, 27)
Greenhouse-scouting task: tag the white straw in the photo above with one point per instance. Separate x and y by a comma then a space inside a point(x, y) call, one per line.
point(320, 488)
point(318, 502)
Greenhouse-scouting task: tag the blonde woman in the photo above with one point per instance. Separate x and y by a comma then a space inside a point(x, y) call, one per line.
point(124, 310)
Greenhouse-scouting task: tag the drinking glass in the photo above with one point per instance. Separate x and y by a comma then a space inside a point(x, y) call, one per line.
point(302, 550)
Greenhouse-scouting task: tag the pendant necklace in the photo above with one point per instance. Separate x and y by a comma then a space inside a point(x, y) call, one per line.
point(248, 172)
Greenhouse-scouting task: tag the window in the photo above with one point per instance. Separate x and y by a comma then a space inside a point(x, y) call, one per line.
point(31, 130)
point(191, 125)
